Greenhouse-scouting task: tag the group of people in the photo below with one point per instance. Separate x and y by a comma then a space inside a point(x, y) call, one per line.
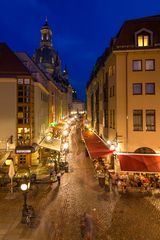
point(140, 181)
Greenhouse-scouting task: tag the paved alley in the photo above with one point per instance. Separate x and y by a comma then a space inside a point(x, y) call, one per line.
point(114, 217)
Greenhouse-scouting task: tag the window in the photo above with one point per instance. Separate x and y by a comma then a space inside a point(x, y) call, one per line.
point(150, 88)
point(20, 81)
point(113, 119)
point(105, 118)
point(143, 40)
point(137, 88)
point(22, 159)
point(149, 64)
point(137, 120)
point(113, 90)
point(150, 120)
point(110, 118)
point(137, 65)
point(110, 71)
point(110, 92)
point(26, 81)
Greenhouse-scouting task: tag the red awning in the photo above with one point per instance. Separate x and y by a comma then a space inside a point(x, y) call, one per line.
point(95, 145)
point(139, 163)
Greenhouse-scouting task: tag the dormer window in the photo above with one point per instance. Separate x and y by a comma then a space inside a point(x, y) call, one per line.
point(143, 38)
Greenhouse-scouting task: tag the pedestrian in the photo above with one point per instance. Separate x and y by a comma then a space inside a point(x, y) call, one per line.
point(59, 178)
point(87, 227)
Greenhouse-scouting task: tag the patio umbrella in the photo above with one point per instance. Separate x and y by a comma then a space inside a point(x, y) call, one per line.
point(11, 174)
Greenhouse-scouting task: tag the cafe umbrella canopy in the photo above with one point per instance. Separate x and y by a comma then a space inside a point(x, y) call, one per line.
point(11, 174)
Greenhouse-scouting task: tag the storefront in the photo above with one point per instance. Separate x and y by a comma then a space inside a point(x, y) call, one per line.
point(137, 172)
point(100, 154)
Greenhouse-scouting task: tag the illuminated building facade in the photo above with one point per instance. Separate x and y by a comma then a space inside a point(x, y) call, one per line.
point(20, 98)
point(123, 93)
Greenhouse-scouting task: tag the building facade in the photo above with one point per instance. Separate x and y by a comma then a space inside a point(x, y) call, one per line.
point(123, 93)
point(20, 94)
point(34, 95)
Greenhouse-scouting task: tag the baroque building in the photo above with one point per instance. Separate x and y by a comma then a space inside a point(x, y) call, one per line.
point(47, 58)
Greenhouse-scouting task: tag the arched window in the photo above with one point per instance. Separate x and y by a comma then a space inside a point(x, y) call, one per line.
point(145, 150)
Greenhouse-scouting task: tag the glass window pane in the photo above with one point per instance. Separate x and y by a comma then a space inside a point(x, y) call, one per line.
point(137, 120)
point(140, 41)
point(137, 88)
point(150, 88)
point(146, 42)
point(137, 65)
point(149, 64)
point(150, 120)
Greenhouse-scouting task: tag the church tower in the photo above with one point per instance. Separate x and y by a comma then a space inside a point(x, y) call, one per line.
point(46, 56)
point(46, 35)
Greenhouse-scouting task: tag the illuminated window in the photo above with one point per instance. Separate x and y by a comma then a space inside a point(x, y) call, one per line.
point(24, 136)
point(143, 37)
point(143, 40)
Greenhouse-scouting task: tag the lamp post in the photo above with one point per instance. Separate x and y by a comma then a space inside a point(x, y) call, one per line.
point(24, 187)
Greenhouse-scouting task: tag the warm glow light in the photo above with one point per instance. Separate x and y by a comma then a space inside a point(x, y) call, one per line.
point(65, 146)
point(8, 162)
point(24, 187)
point(117, 148)
point(108, 142)
point(48, 137)
point(65, 133)
point(112, 147)
point(66, 126)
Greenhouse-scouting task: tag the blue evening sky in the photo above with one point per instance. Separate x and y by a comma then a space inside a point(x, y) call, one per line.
point(82, 29)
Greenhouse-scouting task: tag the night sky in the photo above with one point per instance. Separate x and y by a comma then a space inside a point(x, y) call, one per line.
point(82, 29)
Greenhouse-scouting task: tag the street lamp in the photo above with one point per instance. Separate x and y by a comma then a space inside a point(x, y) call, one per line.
point(24, 187)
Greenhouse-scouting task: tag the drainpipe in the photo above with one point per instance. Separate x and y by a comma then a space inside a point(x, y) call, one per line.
point(127, 102)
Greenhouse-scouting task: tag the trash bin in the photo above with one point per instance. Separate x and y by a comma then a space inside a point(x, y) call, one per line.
point(101, 181)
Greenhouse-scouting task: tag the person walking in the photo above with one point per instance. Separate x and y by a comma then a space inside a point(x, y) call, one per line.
point(87, 226)
point(59, 178)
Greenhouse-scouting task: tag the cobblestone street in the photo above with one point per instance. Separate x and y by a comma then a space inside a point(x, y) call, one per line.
point(115, 217)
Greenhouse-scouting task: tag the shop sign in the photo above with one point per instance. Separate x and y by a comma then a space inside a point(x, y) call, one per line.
point(23, 150)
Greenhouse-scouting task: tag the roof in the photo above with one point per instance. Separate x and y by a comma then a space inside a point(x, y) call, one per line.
point(126, 36)
point(55, 144)
point(139, 162)
point(99, 63)
point(9, 63)
point(95, 145)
